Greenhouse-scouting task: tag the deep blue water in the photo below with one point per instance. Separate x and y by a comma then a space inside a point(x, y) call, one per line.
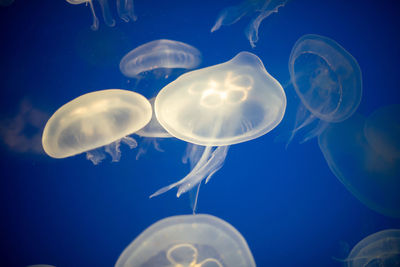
point(287, 204)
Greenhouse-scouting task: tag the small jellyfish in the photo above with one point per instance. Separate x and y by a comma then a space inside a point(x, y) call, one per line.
point(257, 9)
point(379, 249)
point(97, 119)
point(327, 79)
point(218, 106)
point(125, 11)
point(370, 175)
point(159, 55)
point(188, 240)
point(151, 134)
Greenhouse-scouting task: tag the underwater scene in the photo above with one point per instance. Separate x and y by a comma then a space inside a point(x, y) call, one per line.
point(213, 133)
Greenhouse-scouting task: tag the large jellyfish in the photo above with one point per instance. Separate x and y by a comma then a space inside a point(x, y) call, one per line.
point(379, 249)
point(162, 55)
point(371, 175)
point(125, 11)
point(327, 79)
point(218, 106)
point(257, 9)
point(188, 240)
point(97, 119)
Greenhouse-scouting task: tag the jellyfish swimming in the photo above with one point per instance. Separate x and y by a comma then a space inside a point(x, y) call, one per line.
point(327, 79)
point(99, 119)
point(379, 249)
point(257, 9)
point(219, 106)
point(371, 175)
point(162, 55)
point(125, 10)
point(151, 134)
point(188, 240)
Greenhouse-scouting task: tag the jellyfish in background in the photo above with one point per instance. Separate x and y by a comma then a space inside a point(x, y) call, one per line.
point(99, 119)
point(125, 11)
point(218, 106)
point(160, 57)
point(361, 152)
point(327, 79)
point(188, 240)
point(379, 249)
point(257, 9)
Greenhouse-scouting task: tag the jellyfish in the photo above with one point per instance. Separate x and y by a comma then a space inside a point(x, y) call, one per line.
point(125, 11)
point(257, 9)
point(188, 240)
point(99, 119)
point(327, 79)
point(379, 249)
point(371, 175)
point(151, 134)
point(161, 57)
point(219, 106)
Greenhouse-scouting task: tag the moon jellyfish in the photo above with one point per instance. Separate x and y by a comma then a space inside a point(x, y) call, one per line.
point(98, 119)
point(327, 79)
point(188, 240)
point(151, 133)
point(257, 9)
point(370, 175)
point(125, 11)
point(379, 249)
point(162, 55)
point(221, 105)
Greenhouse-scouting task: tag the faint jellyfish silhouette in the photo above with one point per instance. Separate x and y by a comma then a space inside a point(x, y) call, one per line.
point(159, 57)
point(188, 240)
point(370, 175)
point(257, 9)
point(22, 133)
point(327, 79)
point(151, 134)
point(221, 105)
point(125, 11)
point(382, 131)
point(379, 249)
point(98, 119)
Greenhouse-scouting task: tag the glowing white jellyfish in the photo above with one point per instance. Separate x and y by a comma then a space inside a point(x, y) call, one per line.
point(188, 240)
point(379, 249)
point(97, 119)
point(257, 9)
point(163, 55)
point(327, 79)
point(218, 106)
point(125, 11)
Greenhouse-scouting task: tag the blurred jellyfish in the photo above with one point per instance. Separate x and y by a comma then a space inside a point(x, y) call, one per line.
point(327, 79)
point(160, 57)
point(221, 105)
point(98, 119)
point(257, 9)
point(151, 134)
point(379, 249)
point(370, 175)
point(188, 240)
point(22, 133)
point(125, 11)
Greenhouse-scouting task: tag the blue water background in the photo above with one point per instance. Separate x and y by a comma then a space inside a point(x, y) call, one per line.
point(286, 203)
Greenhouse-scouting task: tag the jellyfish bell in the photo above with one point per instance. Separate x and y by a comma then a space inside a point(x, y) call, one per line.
point(379, 249)
point(327, 79)
point(97, 119)
point(221, 105)
point(366, 173)
point(160, 57)
point(188, 240)
point(125, 11)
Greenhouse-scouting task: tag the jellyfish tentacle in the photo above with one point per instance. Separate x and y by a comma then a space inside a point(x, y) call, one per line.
point(126, 10)
point(95, 24)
